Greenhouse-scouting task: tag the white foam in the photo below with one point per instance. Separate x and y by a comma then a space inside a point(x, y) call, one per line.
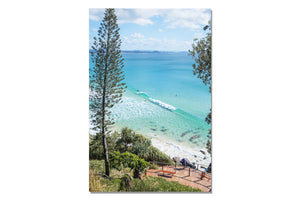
point(162, 104)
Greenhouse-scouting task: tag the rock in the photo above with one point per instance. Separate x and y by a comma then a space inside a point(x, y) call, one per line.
point(194, 137)
point(176, 159)
point(195, 156)
point(126, 182)
point(183, 134)
point(203, 152)
point(163, 130)
point(209, 168)
point(188, 163)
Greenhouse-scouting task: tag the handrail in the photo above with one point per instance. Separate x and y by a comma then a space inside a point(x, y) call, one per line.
point(178, 164)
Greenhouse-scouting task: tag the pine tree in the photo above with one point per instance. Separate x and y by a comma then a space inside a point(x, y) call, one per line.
point(106, 86)
point(201, 53)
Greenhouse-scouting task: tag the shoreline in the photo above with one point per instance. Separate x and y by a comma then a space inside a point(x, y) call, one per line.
point(175, 149)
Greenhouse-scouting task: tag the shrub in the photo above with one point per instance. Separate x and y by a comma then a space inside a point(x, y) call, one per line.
point(157, 155)
point(154, 166)
point(127, 141)
point(96, 145)
point(95, 148)
point(124, 143)
point(119, 160)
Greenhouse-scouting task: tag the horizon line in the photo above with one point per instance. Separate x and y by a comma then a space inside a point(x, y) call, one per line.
point(154, 50)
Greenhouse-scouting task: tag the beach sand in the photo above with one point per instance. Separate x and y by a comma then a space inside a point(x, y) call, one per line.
point(173, 149)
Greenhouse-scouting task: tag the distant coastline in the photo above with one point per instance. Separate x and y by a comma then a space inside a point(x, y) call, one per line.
point(146, 51)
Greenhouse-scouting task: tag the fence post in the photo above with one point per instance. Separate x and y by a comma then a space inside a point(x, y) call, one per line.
point(189, 171)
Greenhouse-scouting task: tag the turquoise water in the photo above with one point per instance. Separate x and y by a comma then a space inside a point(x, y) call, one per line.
point(164, 98)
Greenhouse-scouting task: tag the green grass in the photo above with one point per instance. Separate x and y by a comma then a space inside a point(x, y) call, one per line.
point(99, 183)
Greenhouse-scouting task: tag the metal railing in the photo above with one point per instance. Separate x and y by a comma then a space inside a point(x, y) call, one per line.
point(201, 173)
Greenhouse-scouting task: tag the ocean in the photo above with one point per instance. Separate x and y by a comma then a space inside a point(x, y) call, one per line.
point(164, 99)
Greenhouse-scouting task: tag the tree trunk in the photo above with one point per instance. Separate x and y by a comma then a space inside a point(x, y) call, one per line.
point(136, 173)
point(103, 126)
point(103, 105)
point(105, 154)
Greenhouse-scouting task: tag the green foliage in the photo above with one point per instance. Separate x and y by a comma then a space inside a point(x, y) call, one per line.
point(157, 155)
point(97, 166)
point(134, 143)
point(98, 183)
point(95, 148)
point(126, 140)
point(141, 146)
point(119, 160)
point(208, 144)
point(106, 80)
point(154, 166)
point(201, 53)
point(96, 145)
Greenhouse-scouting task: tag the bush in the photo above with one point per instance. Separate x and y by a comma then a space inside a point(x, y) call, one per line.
point(96, 145)
point(119, 160)
point(127, 141)
point(124, 143)
point(95, 148)
point(154, 166)
point(158, 156)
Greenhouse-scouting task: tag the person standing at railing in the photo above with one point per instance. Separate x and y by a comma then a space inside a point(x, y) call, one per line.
point(184, 163)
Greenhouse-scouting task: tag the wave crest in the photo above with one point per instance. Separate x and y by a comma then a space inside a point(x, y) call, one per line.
point(162, 104)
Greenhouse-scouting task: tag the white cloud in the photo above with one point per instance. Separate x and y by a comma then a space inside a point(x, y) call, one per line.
point(172, 18)
point(137, 35)
point(96, 14)
point(186, 18)
point(160, 30)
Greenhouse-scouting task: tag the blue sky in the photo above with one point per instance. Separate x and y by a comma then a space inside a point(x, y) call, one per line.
point(155, 29)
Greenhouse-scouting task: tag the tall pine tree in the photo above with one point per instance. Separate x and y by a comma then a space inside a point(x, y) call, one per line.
point(201, 53)
point(106, 86)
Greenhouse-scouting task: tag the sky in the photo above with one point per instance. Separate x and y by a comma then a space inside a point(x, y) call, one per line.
point(154, 29)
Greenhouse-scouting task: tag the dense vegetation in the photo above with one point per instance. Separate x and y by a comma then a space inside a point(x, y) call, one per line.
point(127, 141)
point(123, 160)
point(99, 183)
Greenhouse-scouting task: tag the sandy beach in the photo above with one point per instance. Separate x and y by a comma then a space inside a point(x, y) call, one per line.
point(172, 149)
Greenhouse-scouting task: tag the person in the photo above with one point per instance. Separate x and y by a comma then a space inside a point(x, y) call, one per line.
point(184, 162)
point(202, 175)
point(208, 170)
